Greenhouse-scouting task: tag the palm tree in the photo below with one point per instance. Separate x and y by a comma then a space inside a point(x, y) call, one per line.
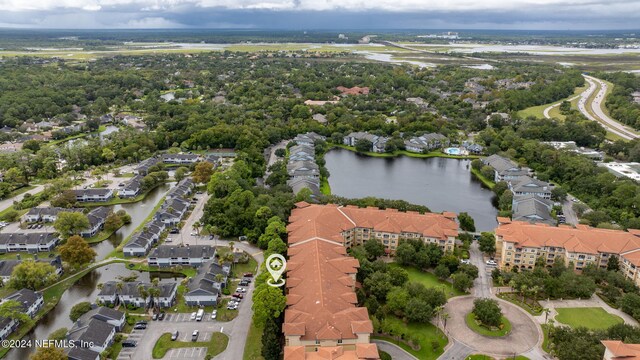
point(100, 286)
point(197, 225)
point(154, 292)
point(231, 245)
point(143, 293)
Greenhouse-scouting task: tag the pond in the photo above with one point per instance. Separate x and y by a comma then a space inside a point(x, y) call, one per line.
point(441, 184)
point(85, 289)
point(139, 212)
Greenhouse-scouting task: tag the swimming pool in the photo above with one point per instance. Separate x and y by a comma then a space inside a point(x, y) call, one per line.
point(452, 151)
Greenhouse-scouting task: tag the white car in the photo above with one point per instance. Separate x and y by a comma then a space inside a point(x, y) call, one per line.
point(193, 316)
point(214, 314)
point(492, 263)
point(194, 234)
point(465, 261)
point(241, 290)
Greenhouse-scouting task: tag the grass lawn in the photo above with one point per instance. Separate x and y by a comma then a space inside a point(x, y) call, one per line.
point(479, 357)
point(253, 347)
point(470, 319)
point(538, 111)
point(19, 191)
point(429, 280)
point(101, 236)
point(425, 334)
point(529, 305)
point(593, 318)
point(215, 346)
point(487, 182)
point(325, 188)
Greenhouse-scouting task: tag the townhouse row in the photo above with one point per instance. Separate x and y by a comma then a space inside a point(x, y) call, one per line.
point(302, 169)
point(171, 212)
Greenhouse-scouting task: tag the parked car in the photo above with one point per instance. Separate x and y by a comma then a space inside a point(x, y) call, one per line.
point(243, 283)
point(241, 290)
point(194, 336)
point(214, 314)
point(232, 306)
point(161, 316)
point(174, 231)
point(142, 322)
point(140, 326)
point(238, 295)
point(194, 233)
point(246, 279)
point(121, 184)
point(129, 343)
point(193, 316)
point(247, 275)
point(174, 335)
point(492, 263)
point(465, 261)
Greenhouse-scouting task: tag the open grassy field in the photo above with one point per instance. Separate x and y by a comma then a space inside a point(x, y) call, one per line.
point(538, 111)
point(429, 280)
point(594, 318)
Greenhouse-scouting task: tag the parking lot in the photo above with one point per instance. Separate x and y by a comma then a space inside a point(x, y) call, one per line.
point(147, 338)
point(186, 353)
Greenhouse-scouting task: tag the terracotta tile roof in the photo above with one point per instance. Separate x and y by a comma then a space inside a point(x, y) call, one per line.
point(356, 90)
point(621, 350)
point(362, 352)
point(329, 221)
point(321, 301)
point(582, 239)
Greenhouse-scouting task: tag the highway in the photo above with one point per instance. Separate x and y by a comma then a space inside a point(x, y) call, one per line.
point(608, 123)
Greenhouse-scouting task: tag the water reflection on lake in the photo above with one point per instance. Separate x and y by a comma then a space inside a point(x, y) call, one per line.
point(438, 183)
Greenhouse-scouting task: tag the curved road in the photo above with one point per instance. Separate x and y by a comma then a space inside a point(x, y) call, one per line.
point(525, 337)
point(596, 106)
point(546, 111)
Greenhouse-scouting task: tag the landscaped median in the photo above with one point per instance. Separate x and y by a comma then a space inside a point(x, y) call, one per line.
point(494, 331)
point(215, 346)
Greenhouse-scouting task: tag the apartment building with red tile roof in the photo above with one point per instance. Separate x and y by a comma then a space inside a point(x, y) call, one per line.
point(617, 350)
point(351, 225)
point(322, 319)
point(519, 244)
point(360, 352)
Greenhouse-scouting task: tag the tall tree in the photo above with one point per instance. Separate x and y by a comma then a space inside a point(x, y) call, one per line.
point(271, 340)
point(202, 172)
point(76, 251)
point(70, 223)
point(32, 275)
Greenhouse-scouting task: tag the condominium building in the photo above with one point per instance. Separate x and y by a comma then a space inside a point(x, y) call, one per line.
point(519, 244)
point(351, 226)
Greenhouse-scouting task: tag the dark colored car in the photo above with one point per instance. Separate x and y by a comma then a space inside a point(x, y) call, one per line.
point(161, 316)
point(140, 326)
point(129, 343)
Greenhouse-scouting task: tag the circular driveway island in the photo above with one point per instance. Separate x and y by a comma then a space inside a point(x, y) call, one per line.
point(524, 335)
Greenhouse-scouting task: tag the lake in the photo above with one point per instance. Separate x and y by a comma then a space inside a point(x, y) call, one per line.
point(441, 184)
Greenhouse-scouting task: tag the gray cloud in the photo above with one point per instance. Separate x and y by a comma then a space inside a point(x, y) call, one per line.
point(323, 14)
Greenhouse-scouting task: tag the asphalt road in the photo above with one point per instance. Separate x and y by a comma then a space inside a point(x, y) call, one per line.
point(482, 284)
point(596, 106)
point(546, 111)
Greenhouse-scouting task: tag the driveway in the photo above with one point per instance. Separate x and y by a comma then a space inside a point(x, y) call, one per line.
point(396, 352)
point(271, 156)
point(524, 335)
point(196, 215)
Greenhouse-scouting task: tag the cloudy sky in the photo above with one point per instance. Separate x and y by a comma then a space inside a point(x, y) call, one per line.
point(322, 14)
